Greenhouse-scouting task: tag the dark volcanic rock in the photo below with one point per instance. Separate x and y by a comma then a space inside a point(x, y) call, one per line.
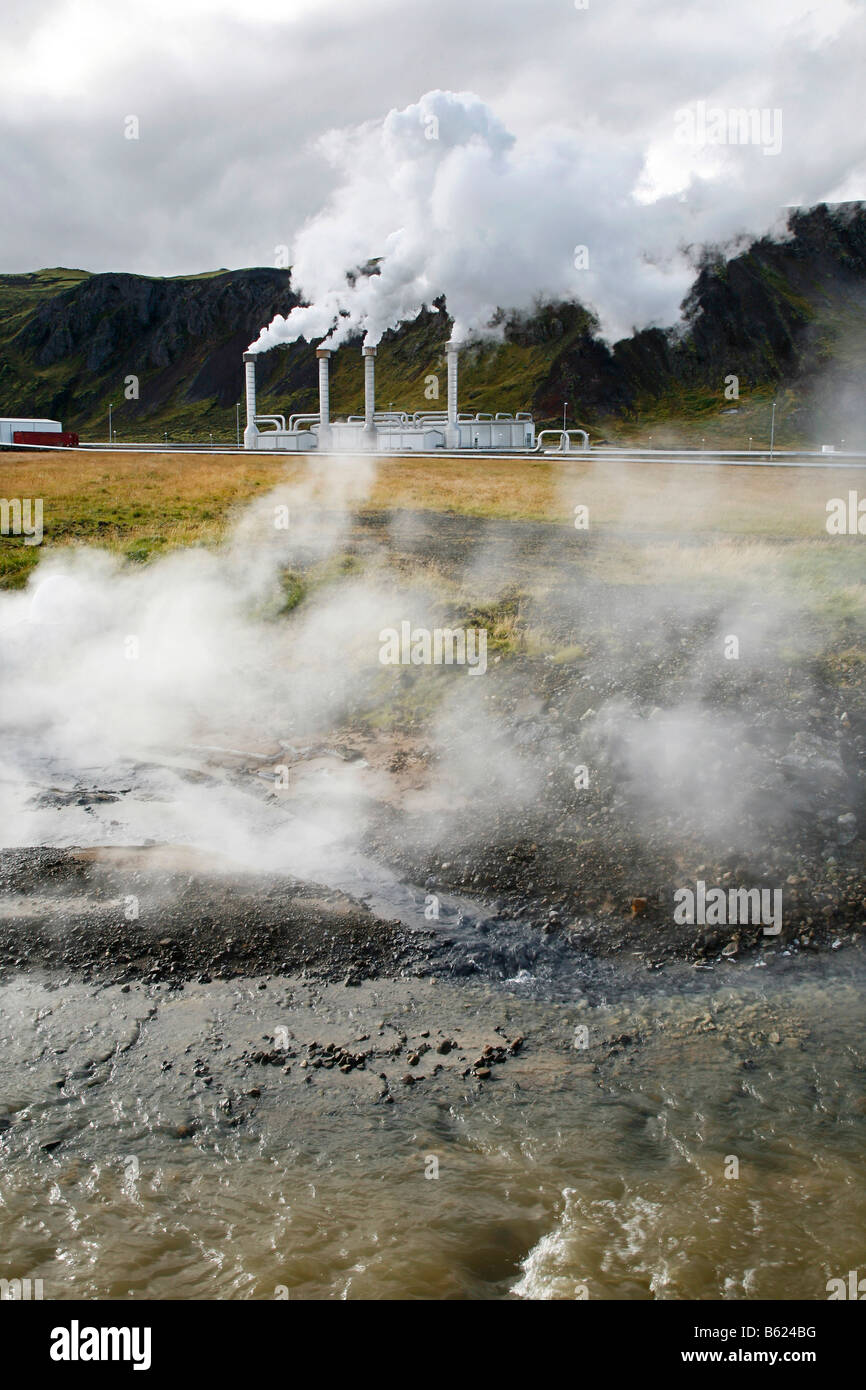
point(199, 926)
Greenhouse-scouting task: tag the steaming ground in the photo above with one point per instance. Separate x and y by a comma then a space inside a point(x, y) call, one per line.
point(214, 677)
point(233, 700)
point(228, 833)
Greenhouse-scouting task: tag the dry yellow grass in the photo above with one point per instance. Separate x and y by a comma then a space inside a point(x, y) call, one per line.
point(180, 498)
point(761, 526)
point(638, 497)
point(202, 479)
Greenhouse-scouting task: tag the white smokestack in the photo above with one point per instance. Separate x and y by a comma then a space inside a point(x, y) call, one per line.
point(324, 356)
point(452, 436)
point(251, 431)
point(369, 387)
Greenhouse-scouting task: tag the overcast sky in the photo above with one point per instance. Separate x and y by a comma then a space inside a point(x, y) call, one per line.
point(232, 100)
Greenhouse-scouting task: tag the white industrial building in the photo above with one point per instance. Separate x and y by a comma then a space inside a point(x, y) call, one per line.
point(385, 431)
point(9, 427)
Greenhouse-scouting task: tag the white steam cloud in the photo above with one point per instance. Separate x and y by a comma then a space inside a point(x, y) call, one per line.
point(449, 202)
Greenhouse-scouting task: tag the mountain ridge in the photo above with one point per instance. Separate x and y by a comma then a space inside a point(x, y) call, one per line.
point(784, 318)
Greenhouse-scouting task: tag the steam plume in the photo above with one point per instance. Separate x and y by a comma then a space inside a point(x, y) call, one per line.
point(449, 202)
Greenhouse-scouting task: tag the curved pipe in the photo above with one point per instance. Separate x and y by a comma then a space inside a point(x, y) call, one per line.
point(380, 417)
point(564, 440)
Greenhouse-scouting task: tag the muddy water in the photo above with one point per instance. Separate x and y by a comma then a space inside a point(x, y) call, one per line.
point(673, 1134)
point(136, 1163)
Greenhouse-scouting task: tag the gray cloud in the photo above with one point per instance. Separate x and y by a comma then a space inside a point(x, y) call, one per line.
point(232, 100)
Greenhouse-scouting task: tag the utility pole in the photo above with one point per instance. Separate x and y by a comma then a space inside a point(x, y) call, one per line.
point(773, 429)
point(564, 409)
point(109, 422)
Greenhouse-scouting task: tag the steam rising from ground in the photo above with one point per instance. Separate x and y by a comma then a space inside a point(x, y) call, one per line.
point(120, 677)
point(114, 669)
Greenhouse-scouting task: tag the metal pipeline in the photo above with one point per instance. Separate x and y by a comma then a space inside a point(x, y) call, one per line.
point(564, 441)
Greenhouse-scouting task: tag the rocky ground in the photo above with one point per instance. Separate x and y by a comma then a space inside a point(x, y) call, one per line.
point(748, 772)
point(601, 863)
point(116, 916)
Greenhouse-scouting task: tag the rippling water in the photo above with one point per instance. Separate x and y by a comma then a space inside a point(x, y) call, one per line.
point(576, 1171)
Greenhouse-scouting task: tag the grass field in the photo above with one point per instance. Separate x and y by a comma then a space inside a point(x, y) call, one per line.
point(143, 505)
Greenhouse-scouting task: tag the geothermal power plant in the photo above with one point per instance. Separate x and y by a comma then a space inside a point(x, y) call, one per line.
point(385, 431)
